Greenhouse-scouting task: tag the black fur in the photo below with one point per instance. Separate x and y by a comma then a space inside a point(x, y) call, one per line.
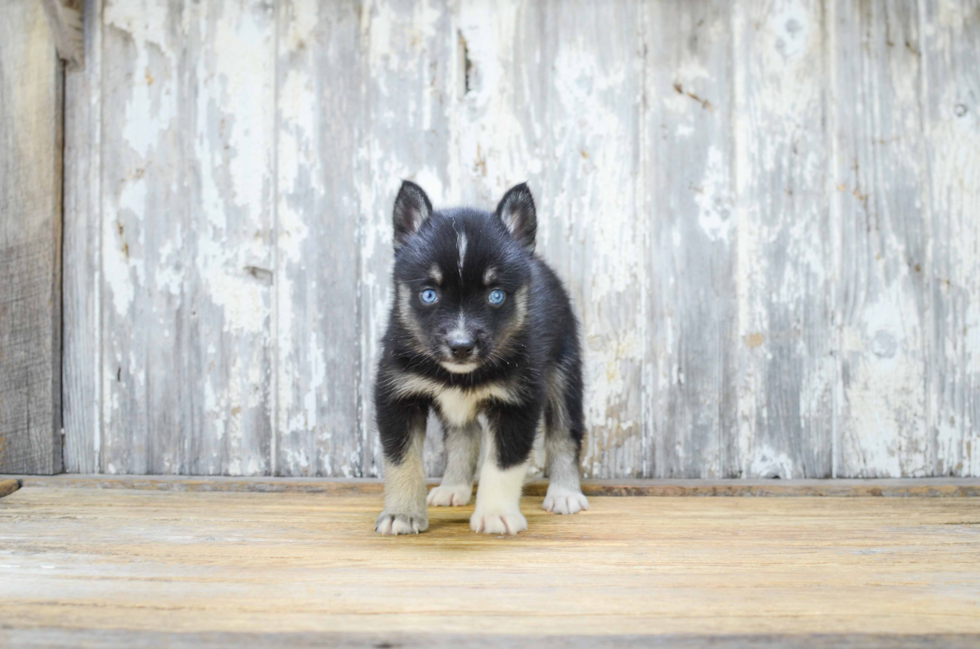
point(526, 354)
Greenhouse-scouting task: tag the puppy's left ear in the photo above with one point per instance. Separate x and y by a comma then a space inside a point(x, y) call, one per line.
point(516, 210)
point(412, 208)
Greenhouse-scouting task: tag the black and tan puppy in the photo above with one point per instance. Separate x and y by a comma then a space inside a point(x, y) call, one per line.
point(481, 331)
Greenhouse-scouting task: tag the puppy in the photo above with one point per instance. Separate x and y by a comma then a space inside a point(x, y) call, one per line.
point(482, 332)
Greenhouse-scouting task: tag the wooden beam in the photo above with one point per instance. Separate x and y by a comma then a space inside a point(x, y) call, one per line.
point(66, 30)
point(31, 84)
point(8, 486)
point(895, 488)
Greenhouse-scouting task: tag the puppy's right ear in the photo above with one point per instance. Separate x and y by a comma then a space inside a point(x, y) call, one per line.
point(412, 208)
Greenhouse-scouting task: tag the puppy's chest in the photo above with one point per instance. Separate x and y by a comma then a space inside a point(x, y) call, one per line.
point(458, 406)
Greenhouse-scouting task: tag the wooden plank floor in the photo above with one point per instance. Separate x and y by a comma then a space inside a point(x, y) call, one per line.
point(144, 567)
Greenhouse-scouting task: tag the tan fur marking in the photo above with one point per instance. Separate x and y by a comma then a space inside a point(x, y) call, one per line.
point(435, 274)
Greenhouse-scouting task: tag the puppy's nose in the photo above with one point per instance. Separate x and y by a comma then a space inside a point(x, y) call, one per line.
point(461, 347)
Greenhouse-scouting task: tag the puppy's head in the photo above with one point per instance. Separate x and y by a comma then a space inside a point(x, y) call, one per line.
point(462, 275)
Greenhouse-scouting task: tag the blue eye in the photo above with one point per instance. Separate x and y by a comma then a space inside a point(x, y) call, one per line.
point(428, 296)
point(496, 297)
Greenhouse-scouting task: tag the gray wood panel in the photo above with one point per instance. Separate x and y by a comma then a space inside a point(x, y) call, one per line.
point(30, 242)
point(82, 280)
point(144, 252)
point(950, 45)
point(880, 187)
point(228, 108)
point(785, 250)
point(320, 126)
point(766, 214)
point(689, 192)
point(187, 194)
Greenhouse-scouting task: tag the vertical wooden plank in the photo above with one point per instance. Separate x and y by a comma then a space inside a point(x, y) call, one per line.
point(228, 117)
point(82, 277)
point(691, 259)
point(31, 143)
point(785, 259)
point(319, 131)
point(409, 49)
point(551, 94)
point(884, 301)
point(187, 236)
point(951, 103)
point(144, 246)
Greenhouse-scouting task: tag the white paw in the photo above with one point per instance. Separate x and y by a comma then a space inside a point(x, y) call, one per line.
point(565, 501)
point(498, 522)
point(401, 524)
point(450, 495)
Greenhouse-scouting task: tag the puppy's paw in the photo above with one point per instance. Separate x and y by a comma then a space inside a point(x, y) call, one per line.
point(564, 501)
point(450, 495)
point(401, 523)
point(498, 522)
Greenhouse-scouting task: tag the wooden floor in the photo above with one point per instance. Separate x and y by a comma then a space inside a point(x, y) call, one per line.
point(100, 567)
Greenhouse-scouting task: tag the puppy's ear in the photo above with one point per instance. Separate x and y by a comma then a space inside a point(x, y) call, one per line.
point(412, 208)
point(516, 210)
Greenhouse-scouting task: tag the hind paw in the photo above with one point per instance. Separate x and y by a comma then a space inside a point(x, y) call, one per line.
point(450, 495)
point(564, 501)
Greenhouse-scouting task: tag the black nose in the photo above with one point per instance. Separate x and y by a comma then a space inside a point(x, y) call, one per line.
point(461, 347)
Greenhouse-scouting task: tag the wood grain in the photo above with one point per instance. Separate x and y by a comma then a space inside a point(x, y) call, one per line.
point(142, 561)
point(881, 184)
point(187, 237)
point(950, 42)
point(82, 280)
point(785, 261)
point(228, 109)
point(48, 637)
point(691, 339)
point(320, 127)
point(31, 141)
point(145, 313)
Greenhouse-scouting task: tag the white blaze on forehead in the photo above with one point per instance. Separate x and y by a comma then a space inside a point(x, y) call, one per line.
point(461, 244)
point(460, 330)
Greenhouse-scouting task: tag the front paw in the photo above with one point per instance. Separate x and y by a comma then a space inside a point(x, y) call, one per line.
point(564, 501)
point(450, 495)
point(401, 523)
point(497, 522)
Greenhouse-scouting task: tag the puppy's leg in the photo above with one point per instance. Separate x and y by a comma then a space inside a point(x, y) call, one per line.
point(402, 429)
point(564, 430)
point(508, 439)
point(462, 454)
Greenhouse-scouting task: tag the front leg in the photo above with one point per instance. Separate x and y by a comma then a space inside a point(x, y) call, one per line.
point(401, 425)
point(508, 439)
point(462, 454)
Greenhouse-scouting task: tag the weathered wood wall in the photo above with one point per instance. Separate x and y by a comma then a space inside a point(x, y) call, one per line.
point(768, 214)
point(31, 91)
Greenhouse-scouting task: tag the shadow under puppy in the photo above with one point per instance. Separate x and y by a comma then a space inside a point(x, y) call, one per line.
point(483, 332)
